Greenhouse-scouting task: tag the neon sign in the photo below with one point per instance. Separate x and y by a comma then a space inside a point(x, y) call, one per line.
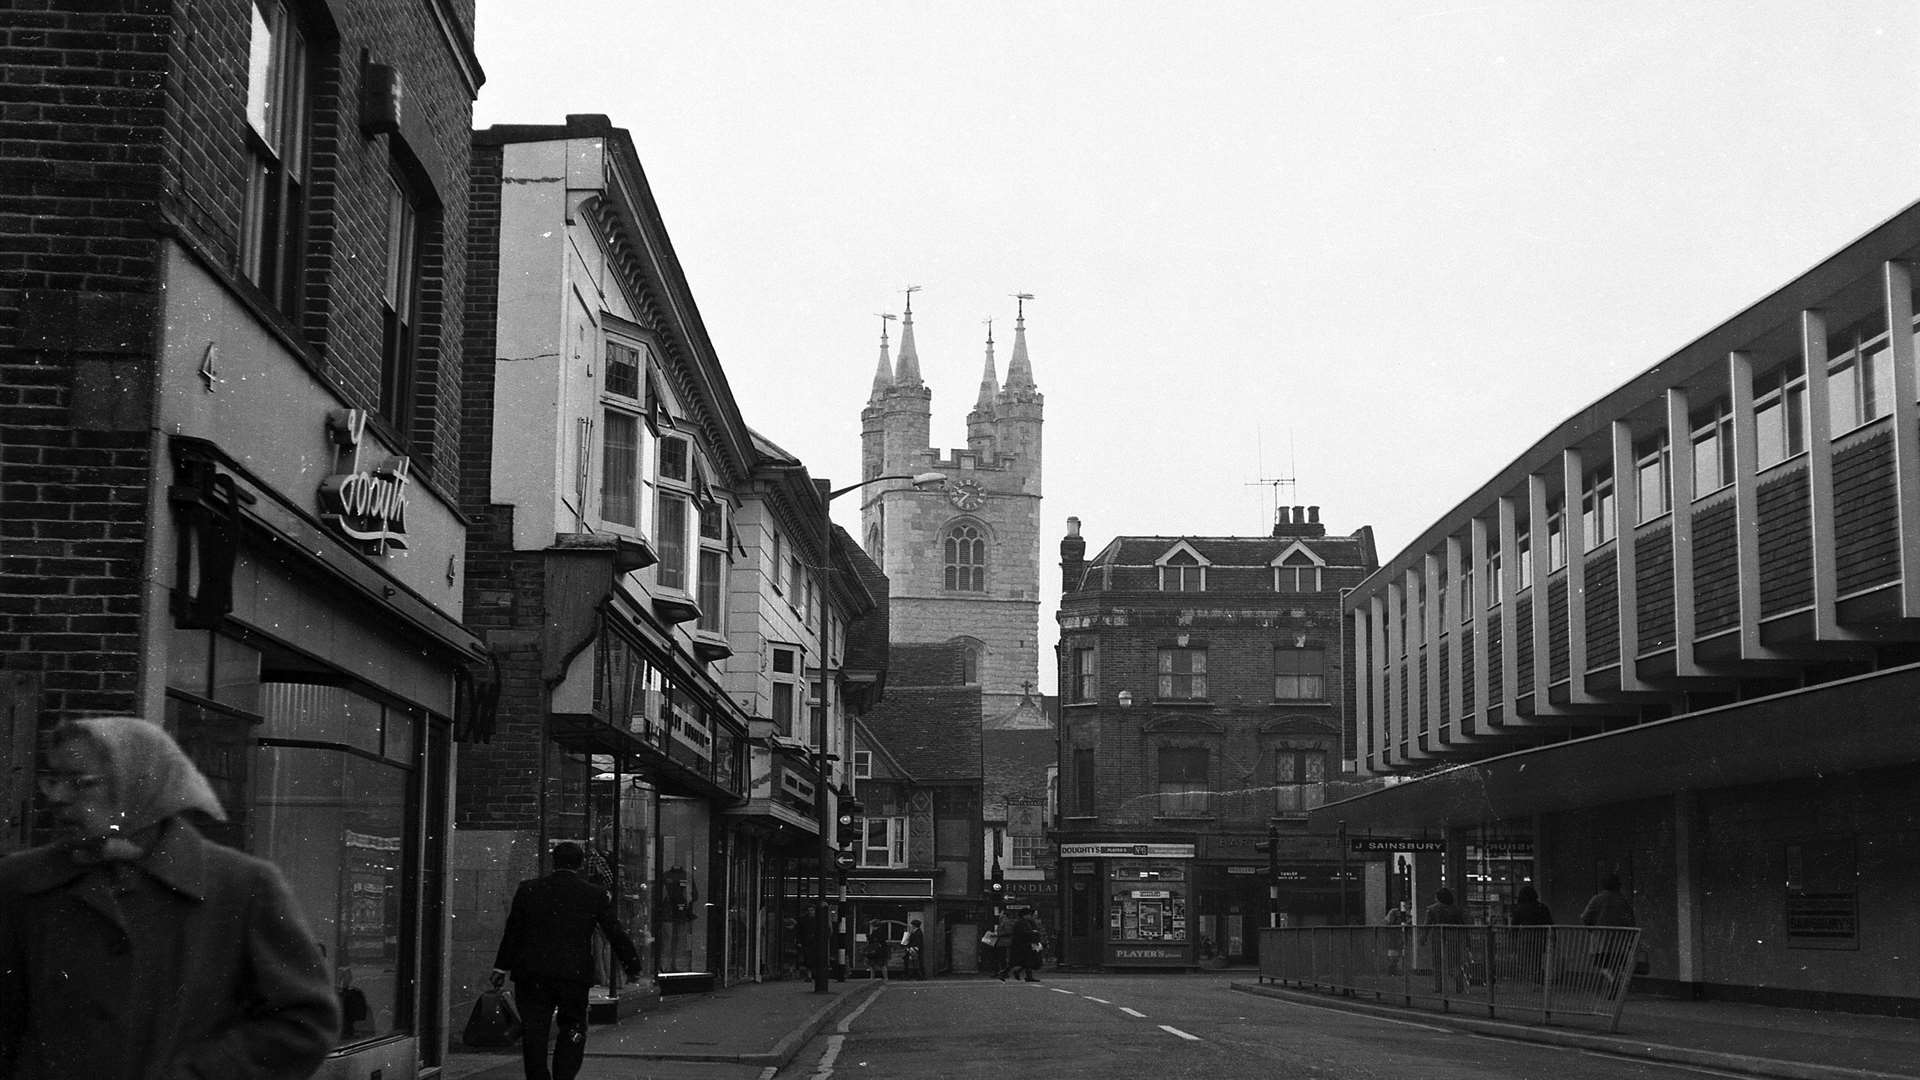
point(365, 504)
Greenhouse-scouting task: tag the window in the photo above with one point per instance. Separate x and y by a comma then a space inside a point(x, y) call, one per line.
point(1297, 573)
point(1466, 590)
point(1084, 780)
point(1598, 519)
point(1299, 780)
point(784, 708)
point(863, 764)
point(783, 660)
point(970, 664)
point(811, 600)
point(398, 303)
point(1780, 412)
point(1556, 536)
point(713, 574)
point(278, 103)
point(1299, 674)
point(1080, 674)
point(620, 468)
point(1183, 781)
point(1651, 460)
point(672, 517)
point(886, 842)
point(966, 559)
point(1712, 448)
point(796, 578)
point(1029, 851)
point(1859, 380)
point(623, 370)
point(1523, 546)
point(779, 563)
point(1182, 572)
point(1183, 674)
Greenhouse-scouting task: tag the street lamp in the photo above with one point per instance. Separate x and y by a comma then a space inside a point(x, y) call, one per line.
point(822, 925)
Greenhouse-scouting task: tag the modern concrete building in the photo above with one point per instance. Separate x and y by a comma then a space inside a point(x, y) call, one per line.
point(229, 325)
point(1201, 712)
point(1677, 640)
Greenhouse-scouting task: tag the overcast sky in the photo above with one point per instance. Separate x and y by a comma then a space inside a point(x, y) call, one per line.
point(1379, 248)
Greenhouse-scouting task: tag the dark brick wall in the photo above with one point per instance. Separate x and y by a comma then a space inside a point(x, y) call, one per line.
point(123, 125)
point(1786, 545)
point(1864, 511)
point(1716, 577)
point(1653, 566)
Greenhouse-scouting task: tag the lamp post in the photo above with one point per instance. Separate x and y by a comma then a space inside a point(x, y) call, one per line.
point(823, 813)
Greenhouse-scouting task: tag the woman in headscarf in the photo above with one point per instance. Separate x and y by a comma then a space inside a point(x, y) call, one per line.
point(131, 947)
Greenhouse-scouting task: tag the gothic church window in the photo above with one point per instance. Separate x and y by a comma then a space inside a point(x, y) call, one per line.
point(966, 559)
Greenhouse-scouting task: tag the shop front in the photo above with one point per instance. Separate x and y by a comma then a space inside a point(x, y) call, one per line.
point(1130, 904)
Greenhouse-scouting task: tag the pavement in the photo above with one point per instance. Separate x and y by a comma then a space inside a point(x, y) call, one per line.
point(751, 1031)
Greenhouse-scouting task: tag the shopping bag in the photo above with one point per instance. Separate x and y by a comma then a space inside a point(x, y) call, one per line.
point(989, 939)
point(494, 1021)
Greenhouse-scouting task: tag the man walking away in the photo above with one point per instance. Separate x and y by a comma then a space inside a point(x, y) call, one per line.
point(1449, 946)
point(1609, 907)
point(915, 943)
point(548, 949)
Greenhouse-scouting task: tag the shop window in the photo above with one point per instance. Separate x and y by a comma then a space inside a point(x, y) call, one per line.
point(1182, 780)
point(1147, 904)
point(1183, 675)
point(279, 107)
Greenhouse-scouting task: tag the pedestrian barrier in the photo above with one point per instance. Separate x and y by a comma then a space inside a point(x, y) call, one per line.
point(1544, 971)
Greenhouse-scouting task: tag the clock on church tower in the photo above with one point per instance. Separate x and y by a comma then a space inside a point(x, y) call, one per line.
point(967, 494)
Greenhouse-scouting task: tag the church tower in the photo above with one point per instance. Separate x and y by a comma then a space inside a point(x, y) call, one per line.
point(963, 564)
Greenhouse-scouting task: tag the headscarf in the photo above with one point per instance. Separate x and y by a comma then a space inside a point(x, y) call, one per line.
point(151, 779)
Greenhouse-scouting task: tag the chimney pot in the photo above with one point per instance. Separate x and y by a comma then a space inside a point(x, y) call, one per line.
point(1073, 526)
point(1313, 514)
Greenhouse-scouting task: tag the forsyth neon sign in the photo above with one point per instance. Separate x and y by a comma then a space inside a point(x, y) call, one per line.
point(368, 505)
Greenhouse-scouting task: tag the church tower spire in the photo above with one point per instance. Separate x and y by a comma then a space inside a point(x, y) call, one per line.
point(980, 420)
point(1020, 369)
point(883, 375)
point(908, 372)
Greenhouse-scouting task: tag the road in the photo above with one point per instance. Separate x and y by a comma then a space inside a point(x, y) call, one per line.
point(1168, 1027)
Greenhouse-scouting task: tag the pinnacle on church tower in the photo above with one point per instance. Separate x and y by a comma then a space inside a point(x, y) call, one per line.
point(989, 379)
point(883, 375)
point(1020, 369)
point(908, 371)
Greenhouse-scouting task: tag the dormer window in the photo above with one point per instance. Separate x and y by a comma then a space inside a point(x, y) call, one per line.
point(1297, 570)
point(1183, 570)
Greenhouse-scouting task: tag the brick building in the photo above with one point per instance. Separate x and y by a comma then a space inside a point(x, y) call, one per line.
point(652, 579)
point(1200, 707)
point(919, 764)
point(229, 308)
point(1676, 640)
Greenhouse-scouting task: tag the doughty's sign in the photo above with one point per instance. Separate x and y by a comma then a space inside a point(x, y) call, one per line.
point(366, 505)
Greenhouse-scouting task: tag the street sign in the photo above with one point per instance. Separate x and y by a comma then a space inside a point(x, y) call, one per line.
point(844, 861)
point(1363, 845)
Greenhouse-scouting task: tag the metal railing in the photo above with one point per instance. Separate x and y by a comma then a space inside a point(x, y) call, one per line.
point(1544, 971)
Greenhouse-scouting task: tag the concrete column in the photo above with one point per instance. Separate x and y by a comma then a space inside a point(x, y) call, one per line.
point(1898, 279)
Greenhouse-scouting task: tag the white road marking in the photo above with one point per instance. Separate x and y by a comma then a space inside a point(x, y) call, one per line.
point(1057, 990)
point(824, 1069)
point(1130, 1012)
point(1176, 1031)
point(1102, 1001)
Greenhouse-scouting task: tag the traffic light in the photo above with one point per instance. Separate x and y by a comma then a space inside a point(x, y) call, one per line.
point(1271, 849)
point(997, 887)
point(848, 832)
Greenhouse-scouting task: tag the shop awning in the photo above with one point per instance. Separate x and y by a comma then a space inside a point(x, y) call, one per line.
point(1866, 722)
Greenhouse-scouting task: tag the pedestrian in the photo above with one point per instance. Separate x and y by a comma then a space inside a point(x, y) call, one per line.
point(879, 951)
point(1447, 946)
point(1003, 943)
point(803, 942)
point(1023, 951)
point(133, 947)
point(1609, 907)
point(1531, 920)
point(548, 949)
point(914, 946)
point(1398, 921)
